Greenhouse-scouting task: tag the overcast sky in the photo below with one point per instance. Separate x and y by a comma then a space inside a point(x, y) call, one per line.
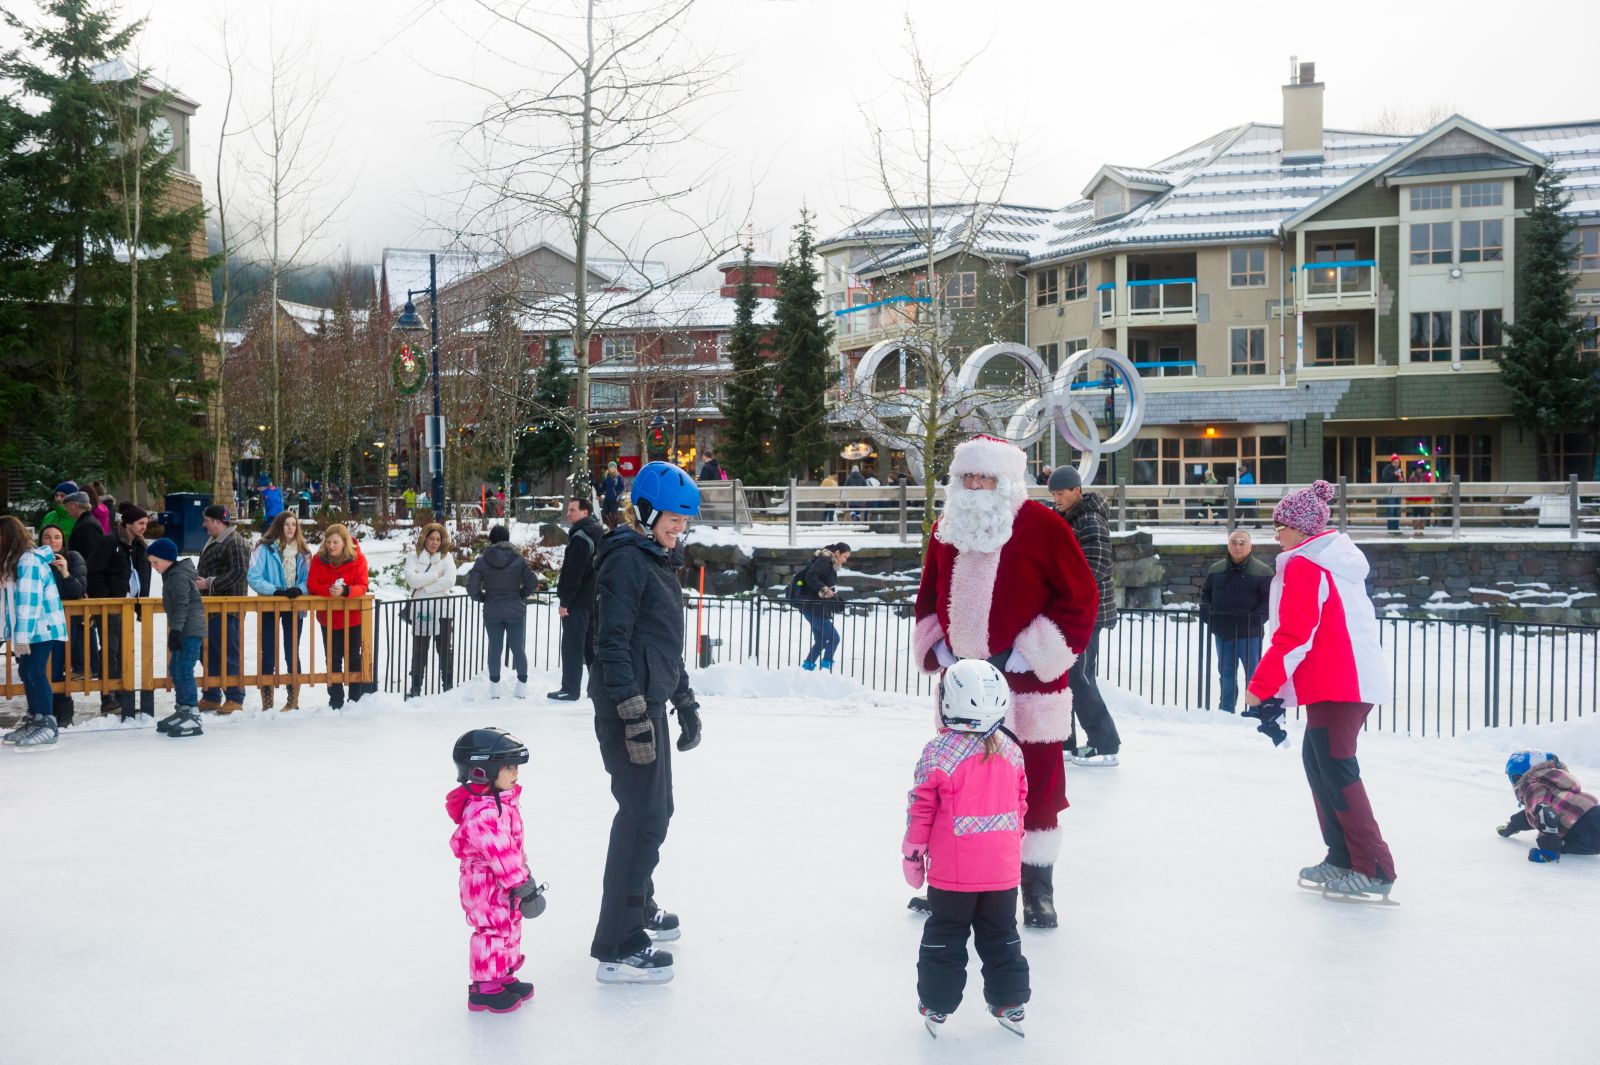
point(1079, 87)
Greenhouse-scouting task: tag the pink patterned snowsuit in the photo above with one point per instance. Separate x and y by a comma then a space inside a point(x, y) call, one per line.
point(488, 840)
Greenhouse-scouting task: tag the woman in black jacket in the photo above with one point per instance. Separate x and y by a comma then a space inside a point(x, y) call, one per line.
point(118, 569)
point(639, 668)
point(72, 582)
point(813, 591)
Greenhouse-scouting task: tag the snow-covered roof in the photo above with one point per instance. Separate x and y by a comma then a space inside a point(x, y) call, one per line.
point(310, 318)
point(407, 268)
point(1574, 149)
point(663, 311)
point(891, 239)
point(118, 69)
point(633, 276)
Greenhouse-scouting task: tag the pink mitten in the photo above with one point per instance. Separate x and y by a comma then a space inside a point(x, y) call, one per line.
point(913, 865)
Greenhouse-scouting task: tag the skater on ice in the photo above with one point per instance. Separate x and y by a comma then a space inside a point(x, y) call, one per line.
point(186, 632)
point(1005, 580)
point(497, 889)
point(1554, 805)
point(1325, 655)
point(638, 669)
point(964, 835)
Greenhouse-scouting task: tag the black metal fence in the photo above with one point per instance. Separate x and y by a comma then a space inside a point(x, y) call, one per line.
point(1448, 676)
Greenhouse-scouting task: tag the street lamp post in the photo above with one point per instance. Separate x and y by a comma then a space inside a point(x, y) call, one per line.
point(411, 322)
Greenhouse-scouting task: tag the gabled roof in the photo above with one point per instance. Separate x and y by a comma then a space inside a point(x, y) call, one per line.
point(116, 69)
point(1132, 177)
point(1457, 164)
point(407, 268)
point(310, 318)
point(892, 239)
point(662, 311)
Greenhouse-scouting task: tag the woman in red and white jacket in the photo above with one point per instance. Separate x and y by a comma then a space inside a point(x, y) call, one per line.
point(1325, 655)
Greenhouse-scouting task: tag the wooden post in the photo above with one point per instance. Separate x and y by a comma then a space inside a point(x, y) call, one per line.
point(738, 490)
point(1233, 503)
point(1122, 506)
point(794, 509)
point(1455, 505)
point(1344, 504)
point(1572, 506)
point(902, 512)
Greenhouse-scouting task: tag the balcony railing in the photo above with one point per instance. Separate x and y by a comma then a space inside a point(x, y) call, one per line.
point(1108, 299)
point(1173, 296)
point(1331, 281)
point(1167, 368)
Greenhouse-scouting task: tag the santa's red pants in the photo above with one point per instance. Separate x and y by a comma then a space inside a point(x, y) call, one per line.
point(1047, 797)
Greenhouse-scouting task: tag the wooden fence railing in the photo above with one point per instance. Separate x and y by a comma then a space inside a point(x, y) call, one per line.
point(117, 645)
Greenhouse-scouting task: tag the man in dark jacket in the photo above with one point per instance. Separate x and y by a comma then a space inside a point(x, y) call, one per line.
point(223, 567)
point(711, 469)
point(1086, 513)
point(85, 530)
point(119, 569)
point(502, 582)
point(1233, 602)
point(575, 590)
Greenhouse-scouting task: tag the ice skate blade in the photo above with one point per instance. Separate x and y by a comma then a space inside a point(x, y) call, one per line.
point(1361, 899)
point(1014, 1027)
point(613, 973)
point(932, 1026)
point(919, 906)
point(666, 935)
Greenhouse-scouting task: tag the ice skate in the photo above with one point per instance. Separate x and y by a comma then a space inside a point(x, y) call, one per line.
point(494, 689)
point(41, 735)
point(919, 905)
point(662, 927)
point(1092, 758)
point(933, 1019)
point(648, 966)
point(1010, 1018)
point(187, 724)
point(519, 690)
point(164, 726)
point(1359, 887)
point(1316, 877)
point(492, 996)
point(10, 739)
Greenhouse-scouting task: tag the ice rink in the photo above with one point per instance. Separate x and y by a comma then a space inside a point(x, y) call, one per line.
point(281, 890)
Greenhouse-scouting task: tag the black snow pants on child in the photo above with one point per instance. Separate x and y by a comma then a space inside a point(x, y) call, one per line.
point(991, 916)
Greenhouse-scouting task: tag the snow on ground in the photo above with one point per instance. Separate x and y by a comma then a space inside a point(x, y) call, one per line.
point(280, 889)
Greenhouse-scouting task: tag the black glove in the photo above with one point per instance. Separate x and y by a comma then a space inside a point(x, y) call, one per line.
point(287, 593)
point(174, 642)
point(1269, 712)
point(1504, 830)
point(528, 896)
point(688, 725)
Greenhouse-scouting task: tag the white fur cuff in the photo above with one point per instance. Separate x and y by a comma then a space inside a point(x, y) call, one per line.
point(1041, 717)
point(927, 633)
point(1041, 846)
point(1046, 650)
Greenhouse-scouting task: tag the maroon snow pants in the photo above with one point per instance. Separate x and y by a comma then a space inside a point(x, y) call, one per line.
point(1329, 754)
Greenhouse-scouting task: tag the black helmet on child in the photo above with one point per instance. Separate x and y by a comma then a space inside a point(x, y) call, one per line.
point(480, 754)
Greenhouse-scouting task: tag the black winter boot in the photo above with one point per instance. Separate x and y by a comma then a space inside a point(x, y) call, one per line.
point(1038, 896)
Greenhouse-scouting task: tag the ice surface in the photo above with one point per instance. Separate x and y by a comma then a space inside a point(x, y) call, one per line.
point(280, 890)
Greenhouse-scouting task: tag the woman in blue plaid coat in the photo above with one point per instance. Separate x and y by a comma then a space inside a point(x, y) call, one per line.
point(32, 622)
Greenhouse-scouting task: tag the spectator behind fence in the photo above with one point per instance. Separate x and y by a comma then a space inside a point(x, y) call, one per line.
point(32, 624)
point(85, 529)
point(1246, 499)
point(1233, 603)
point(186, 628)
point(103, 504)
point(813, 591)
point(1086, 513)
point(58, 515)
point(271, 500)
point(611, 488)
point(502, 582)
point(430, 573)
point(339, 569)
point(71, 575)
point(120, 569)
point(1394, 472)
point(575, 590)
point(224, 569)
point(279, 567)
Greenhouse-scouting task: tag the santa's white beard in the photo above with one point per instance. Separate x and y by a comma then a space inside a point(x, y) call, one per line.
point(976, 519)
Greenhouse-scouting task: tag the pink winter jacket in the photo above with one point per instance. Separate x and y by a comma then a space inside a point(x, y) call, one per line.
point(488, 835)
point(965, 811)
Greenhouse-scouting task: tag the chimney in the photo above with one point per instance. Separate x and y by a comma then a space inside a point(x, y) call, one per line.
point(1302, 114)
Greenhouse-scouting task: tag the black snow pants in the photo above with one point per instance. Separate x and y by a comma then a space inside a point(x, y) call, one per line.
point(644, 807)
point(991, 916)
point(577, 648)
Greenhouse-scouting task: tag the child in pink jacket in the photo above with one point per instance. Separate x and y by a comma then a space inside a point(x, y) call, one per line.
point(964, 833)
point(497, 890)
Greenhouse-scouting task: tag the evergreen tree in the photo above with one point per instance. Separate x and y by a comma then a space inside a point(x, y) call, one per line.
point(1554, 390)
point(746, 445)
point(99, 307)
point(800, 340)
point(549, 448)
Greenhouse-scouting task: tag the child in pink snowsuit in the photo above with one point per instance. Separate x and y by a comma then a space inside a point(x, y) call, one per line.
point(496, 887)
point(964, 832)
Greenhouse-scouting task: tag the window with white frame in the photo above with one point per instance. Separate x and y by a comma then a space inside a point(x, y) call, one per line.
point(1587, 247)
point(1046, 287)
point(1483, 194)
point(1334, 344)
point(1075, 281)
point(1430, 336)
point(1431, 197)
point(1591, 340)
point(1333, 251)
point(1483, 241)
point(1480, 334)
point(961, 289)
point(1247, 267)
point(722, 344)
point(1430, 243)
point(564, 351)
point(607, 395)
point(1247, 351)
point(1109, 201)
point(1051, 355)
point(1071, 348)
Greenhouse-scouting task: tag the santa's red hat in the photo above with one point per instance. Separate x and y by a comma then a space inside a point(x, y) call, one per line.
point(991, 457)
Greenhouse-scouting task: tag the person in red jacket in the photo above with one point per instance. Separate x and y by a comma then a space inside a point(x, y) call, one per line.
point(339, 569)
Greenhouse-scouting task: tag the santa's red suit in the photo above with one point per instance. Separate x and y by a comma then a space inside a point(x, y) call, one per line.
point(1033, 594)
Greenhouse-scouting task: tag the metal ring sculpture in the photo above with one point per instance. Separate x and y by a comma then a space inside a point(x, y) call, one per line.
point(1020, 414)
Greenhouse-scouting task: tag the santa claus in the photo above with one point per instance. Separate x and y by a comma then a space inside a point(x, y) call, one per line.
point(1005, 580)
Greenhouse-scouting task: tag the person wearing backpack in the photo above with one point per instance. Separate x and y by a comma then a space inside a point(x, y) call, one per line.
point(812, 592)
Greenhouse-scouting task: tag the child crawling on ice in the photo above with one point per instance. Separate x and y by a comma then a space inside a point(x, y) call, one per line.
point(1566, 817)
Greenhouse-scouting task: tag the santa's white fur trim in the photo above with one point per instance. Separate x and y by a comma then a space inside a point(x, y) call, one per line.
point(927, 633)
point(1041, 717)
point(972, 590)
point(1046, 650)
point(992, 457)
point(1041, 846)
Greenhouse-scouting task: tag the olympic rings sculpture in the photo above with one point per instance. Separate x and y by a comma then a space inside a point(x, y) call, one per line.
point(1021, 413)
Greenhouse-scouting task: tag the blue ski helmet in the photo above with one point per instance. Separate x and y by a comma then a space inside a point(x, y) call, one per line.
point(1519, 763)
point(662, 488)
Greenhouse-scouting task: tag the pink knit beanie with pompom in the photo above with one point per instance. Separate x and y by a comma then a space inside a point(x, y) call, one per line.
point(1307, 509)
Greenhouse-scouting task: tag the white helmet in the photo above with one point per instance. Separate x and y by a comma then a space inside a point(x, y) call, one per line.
point(973, 697)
